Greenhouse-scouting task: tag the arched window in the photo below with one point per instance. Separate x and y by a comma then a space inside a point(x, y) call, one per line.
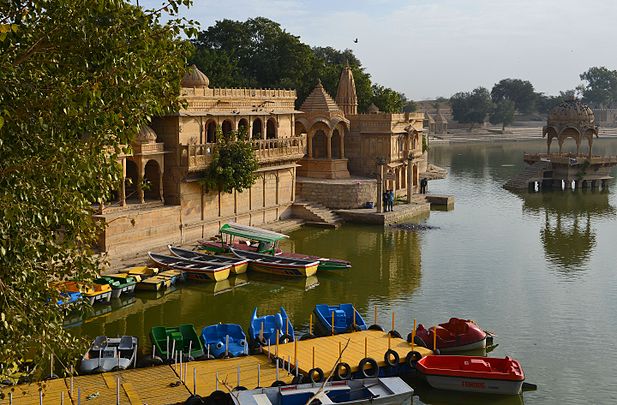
point(132, 177)
point(211, 132)
point(320, 141)
point(152, 181)
point(256, 133)
point(271, 129)
point(243, 127)
point(227, 127)
point(335, 144)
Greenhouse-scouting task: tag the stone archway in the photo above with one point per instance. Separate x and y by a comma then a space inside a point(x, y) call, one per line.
point(335, 142)
point(227, 127)
point(256, 133)
point(243, 127)
point(271, 129)
point(211, 131)
point(152, 181)
point(132, 181)
point(320, 145)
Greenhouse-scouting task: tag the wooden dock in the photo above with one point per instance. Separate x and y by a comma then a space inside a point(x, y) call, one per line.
point(327, 348)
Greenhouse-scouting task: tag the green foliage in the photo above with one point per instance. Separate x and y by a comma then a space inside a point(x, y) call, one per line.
point(601, 87)
point(233, 164)
point(425, 145)
point(519, 91)
point(79, 78)
point(471, 107)
point(410, 106)
point(503, 113)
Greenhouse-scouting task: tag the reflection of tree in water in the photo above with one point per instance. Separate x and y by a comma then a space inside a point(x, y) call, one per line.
point(567, 235)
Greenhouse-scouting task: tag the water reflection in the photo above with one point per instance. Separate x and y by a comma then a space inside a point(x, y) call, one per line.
point(567, 234)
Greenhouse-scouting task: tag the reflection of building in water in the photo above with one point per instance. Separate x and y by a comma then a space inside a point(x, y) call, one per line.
point(567, 235)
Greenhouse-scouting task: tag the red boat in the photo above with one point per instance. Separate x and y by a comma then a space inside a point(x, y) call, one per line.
point(454, 336)
point(473, 374)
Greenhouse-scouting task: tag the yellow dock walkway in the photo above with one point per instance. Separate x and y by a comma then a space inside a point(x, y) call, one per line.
point(327, 350)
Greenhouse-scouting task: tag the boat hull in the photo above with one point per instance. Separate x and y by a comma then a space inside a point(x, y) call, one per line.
point(465, 384)
point(209, 276)
point(240, 268)
point(289, 271)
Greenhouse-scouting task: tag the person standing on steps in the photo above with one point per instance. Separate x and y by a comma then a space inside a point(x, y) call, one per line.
point(423, 184)
point(391, 199)
point(384, 197)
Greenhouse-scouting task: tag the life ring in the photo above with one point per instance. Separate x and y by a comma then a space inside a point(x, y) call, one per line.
point(278, 383)
point(319, 372)
point(391, 358)
point(412, 358)
point(371, 372)
point(307, 336)
point(342, 371)
point(375, 327)
point(285, 339)
point(394, 334)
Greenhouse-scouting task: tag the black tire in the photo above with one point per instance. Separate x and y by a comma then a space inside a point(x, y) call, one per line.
point(50, 377)
point(307, 336)
point(278, 383)
point(194, 400)
point(315, 379)
point(375, 327)
point(254, 347)
point(224, 355)
point(239, 388)
point(342, 371)
point(391, 358)
point(299, 379)
point(217, 398)
point(285, 339)
point(351, 328)
point(368, 373)
point(412, 358)
point(394, 334)
point(409, 338)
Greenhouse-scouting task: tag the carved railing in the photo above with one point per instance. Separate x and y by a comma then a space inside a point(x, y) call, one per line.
point(198, 156)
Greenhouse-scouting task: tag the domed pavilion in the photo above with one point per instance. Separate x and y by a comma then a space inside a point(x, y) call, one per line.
point(570, 119)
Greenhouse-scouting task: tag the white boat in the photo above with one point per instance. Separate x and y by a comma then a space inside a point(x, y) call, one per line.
point(107, 354)
point(374, 391)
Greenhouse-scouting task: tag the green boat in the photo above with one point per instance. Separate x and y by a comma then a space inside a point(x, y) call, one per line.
point(120, 284)
point(184, 336)
point(256, 240)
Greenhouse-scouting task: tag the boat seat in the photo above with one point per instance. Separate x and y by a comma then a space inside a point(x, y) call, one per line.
point(126, 343)
point(476, 365)
point(100, 343)
point(261, 399)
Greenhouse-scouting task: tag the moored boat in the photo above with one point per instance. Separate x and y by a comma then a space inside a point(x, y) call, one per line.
point(143, 272)
point(278, 265)
point(374, 391)
point(224, 340)
point(154, 283)
point(173, 276)
point(346, 319)
point(473, 374)
point(456, 335)
point(107, 354)
point(92, 292)
point(120, 284)
point(263, 329)
point(216, 272)
point(238, 266)
point(183, 338)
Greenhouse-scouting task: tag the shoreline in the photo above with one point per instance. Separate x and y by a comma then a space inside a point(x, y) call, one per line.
point(528, 135)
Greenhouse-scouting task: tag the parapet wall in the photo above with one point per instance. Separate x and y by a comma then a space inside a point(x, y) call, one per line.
point(337, 194)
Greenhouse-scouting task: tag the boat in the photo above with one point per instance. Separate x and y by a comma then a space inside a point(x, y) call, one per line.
point(92, 292)
point(173, 276)
point(262, 330)
point(224, 340)
point(154, 283)
point(278, 265)
point(454, 336)
point(488, 375)
point(120, 284)
point(256, 240)
point(143, 272)
point(238, 266)
point(107, 354)
point(183, 338)
point(374, 391)
point(216, 272)
point(346, 319)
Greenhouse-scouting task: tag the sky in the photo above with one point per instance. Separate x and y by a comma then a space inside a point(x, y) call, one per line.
point(432, 48)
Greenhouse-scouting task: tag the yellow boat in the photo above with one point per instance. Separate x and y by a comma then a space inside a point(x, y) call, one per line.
point(93, 292)
point(143, 271)
point(135, 277)
point(172, 275)
point(154, 283)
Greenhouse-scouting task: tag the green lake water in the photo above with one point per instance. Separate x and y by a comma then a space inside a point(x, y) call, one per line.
point(537, 269)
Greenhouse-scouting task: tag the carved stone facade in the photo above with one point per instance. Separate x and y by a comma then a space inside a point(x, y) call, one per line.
point(570, 119)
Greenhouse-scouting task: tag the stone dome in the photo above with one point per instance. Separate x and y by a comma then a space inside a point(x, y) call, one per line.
point(146, 135)
point(195, 78)
point(571, 112)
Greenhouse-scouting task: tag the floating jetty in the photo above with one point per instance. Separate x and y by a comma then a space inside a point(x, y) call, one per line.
point(174, 383)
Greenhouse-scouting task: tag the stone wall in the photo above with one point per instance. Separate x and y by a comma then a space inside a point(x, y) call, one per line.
point(334, 194)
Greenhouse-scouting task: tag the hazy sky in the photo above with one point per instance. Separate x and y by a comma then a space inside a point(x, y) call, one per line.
point(430, 48)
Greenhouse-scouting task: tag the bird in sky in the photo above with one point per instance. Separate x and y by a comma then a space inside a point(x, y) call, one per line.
point(355, 41)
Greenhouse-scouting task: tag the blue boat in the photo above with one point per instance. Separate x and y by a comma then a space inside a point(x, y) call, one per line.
point(69, 297)
point(224, 340)
point(262, 330)
point(344, 320)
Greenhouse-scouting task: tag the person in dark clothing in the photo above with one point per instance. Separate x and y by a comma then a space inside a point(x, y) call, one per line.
point(423, 184)
point(385, 201)
point(391, 199)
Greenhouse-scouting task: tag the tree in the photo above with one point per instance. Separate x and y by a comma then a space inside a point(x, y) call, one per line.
point(471, 108)
point(519, 91)
point(503, 113)
point(79, 79)
point(601, 87)
point(410, 106)
point(388, 100)
point(233, 164)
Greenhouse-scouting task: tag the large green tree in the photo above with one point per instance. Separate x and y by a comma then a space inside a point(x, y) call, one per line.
point(600, 88)
point(520, 92)
point(79, 78)
point(502, 113)
point(471, 107)
point(388, 100)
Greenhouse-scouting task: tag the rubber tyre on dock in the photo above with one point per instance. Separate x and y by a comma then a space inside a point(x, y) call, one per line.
point(391, 358)
point(316, 379)
point(218, 398)
point(278, 383)
point(285, 339)
point(375, 327)
point(394, 334)
point(412, 358)
point(342, 371)
point(373, 372)
point(307, 336)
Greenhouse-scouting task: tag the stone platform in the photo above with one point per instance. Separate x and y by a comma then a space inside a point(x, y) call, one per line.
point(337, 193)
point(371, 216)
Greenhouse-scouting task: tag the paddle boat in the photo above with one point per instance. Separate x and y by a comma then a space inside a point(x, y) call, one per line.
point(262, 330)
point(69, 297)
point(238, 266)
point(346, 319)
point(120, 284)
point(256, 240)
point(92, 292)
point(107, 354)
point(473, 374)
point(374, 391)
point(281, 266)
point(170, 340)
point(173, 276)
point(224, 340)
point(143, 272)
point(216, 272)
point(154, 283)
point(454, 336)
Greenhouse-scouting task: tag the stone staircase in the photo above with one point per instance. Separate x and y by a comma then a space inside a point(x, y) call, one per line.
point(534, 172)
point(285, 226)
point(316, 214)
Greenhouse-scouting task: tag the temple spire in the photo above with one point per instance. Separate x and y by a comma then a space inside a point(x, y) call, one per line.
point(346, 93)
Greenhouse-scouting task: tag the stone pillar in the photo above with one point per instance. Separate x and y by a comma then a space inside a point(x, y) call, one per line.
point(380, 207)
point(342, 148)
point(409, 178)
point(140, 180)
point(264, 126)
point(123, 185)
point(309, 144)
point(161, 188)
point(329, 145)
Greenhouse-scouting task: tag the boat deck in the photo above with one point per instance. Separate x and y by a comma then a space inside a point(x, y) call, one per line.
point(327, 350)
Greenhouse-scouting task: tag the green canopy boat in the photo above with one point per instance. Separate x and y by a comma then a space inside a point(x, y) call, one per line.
point(182, 338)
